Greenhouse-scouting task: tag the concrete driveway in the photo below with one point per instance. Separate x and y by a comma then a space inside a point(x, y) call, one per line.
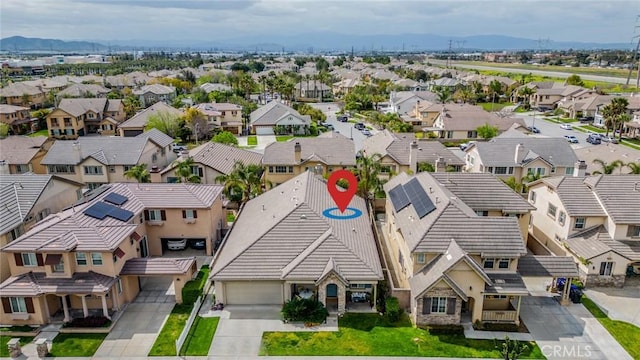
point(568, 332)
point(619, 304)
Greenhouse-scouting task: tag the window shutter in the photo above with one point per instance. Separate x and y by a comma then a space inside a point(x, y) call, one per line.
point(451, 306)
point(39, 259)
point(184, 214)
point(29, 302)
point(426, 305)
point(146, 215)
point(163, 215)
point(6, 305)
point(195, 214)
point(18, 258)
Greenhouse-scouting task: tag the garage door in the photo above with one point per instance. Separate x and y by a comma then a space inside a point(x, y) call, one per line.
point(253, 292)
point(264, 130)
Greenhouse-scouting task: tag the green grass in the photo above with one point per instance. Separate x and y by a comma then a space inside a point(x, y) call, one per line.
point(496, 106)
point(65, 345)
point(231, 218)
point(592, 128)
point(165, 344)
point(44, 132)
point(632, 143)
point(200, 336)
point(252, 140)
point(372, 335)
point(574, 70)
point(4, 351)
point(626, 334)
point(282, 138)
point(18, 328)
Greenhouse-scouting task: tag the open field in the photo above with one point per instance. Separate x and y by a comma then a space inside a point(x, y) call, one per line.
point(621, 73)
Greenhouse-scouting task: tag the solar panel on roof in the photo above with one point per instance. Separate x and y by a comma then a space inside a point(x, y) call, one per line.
point(120, 214)
point(98, 210)
point(116, 199)
point(399, 198)
point(419, 198)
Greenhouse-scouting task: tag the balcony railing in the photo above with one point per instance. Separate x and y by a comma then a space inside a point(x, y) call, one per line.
point(499, 315)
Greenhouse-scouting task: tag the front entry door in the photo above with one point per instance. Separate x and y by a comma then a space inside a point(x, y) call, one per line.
point(332, 290)
point(144, 247)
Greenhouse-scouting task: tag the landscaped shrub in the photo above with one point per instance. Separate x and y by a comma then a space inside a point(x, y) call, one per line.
point(88, 322)
point(393, 310)
point(307, 310)
point(445, 329)
point(193, 288)
point(383, 289)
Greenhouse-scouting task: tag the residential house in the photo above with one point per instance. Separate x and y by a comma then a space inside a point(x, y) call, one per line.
point(518, 157)
point(79, 117)
point(17, 117)
point(410, 85)
point(83, 91)
point(547, 98)
point(23, 154)
point(101, 160)
point(312, 89)
point(89, 259)
point(323, 154)
point(583, 106)
point(135, 125)
point(402, 152)
point(129, 80)
point(284, 245)
point(278, 118)
point(446, 83)
point(455, 262)
point(209, 87)
point(633, 107)
point(20, 94)
point(210, 161)
point(28, 199)
point(423, 115)
point(343, 86)
point(151, 94)
point(403, 102)
point(461, 121)
point(225, 116)
point(594, 219)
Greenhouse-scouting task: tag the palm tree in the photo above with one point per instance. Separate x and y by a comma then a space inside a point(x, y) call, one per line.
point(139, 172)
point(613, 112)
point(243, 183)
point(607, 168)
point(526, 93)
point(444, 95)
point(184, 171)
point(367, 171)
point(620, 121)
point(634, 167)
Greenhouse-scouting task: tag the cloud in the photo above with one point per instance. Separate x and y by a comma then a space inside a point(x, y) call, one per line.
point(177, 4)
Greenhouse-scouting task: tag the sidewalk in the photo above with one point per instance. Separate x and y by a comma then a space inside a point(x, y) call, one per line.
point(471, 333)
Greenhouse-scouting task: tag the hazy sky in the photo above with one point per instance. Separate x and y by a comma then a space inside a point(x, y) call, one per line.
point(560, 20)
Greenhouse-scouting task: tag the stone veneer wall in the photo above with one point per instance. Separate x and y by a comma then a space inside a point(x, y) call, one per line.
point(438, 319)
point(342, 292)
point(597, 280)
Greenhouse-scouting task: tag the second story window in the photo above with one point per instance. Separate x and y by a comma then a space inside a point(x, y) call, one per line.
point(155, 215)
point(504, 263)
point(22, 168)
point(420, 259)
point(189, 214)
point(62, 169)
point(29, 259)
point(561, 218)
point(59, 267)
point(568, 171)
point(96, 259)
point(488, 263)
point(552, 210)
point(532, 197)
point(93, 170)
point(81, 258)
point(482, 213)
point(580, 222)
point(633, 231)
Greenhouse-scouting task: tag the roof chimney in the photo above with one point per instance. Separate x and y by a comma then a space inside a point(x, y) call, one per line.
point(518, 154)
point(413, 157)
point(441, 165)
point(297, 149)
point(580, 168)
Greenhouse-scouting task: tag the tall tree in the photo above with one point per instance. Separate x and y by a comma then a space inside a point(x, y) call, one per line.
point(444, 95)
point(166, 122)
point(487, 131)
point(139, 173)
point(184, 171)
point(243, 183)
point(607, 168)
point(368, 171)
point(525, 93)
point(613, 113)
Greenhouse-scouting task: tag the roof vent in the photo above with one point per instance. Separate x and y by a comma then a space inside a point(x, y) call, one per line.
point(263, 207)
point(303, 217)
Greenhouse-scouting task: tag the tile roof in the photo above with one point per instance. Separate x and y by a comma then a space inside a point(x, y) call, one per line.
point(34, 284)
point(158, 266)
point(453, 219)
point(221, 157)
point(542, 265)
point(19, 89)
point(462, 117)
point(397, 146)
point(620, 197)
point(506, 283)
point(71, 229)
point(595, 241)
point(483, 191)
point(501, 151)
point(282, 234)
point(157, 136)
point(10, 109)
point(81, 90)
point(272, 112)
point(157, 89)
point(18, 195)
point(77, 107)
point(577, 198)
point(328, 150)
point(140, 119)
point(20, 149)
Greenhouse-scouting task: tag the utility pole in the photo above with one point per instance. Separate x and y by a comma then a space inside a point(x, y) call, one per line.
point(636, 54)
point(449, 55)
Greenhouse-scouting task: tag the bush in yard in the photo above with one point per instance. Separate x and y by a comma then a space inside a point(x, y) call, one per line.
point(192, 289)
point(393, 309)
point(89, 322)
point(444, 329)
point(307, 310)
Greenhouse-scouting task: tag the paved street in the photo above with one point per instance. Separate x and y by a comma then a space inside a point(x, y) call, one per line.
point(344, 128)
point(619, 303)
point(549, 129)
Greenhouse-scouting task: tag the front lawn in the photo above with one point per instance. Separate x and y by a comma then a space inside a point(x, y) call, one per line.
point(373, 335)
point(199, 339)
point(594, 129)
point(65, 345)
point(44, 132)
point(252, 140)
point(283, 138)
point(4, 350)
point(626, 334)
point(487, 106)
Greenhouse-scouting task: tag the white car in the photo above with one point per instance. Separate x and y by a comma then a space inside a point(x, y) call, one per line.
point(566, 127)
point(177, 244)
point(572, 139)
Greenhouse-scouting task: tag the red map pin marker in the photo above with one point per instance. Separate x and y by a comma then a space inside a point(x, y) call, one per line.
point(342, 198)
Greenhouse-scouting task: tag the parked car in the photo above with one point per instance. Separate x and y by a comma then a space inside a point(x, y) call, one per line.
point(585, 119)
point(327, 125)
point(566, 127)
point(366, 132)
point(199, 244)
point(594, 139)
point(343, 118)
point(177, 244)
point(608, 138)
point(572, 139)
point(178, 148)
point(534, 129)
point(464, 146)
point(359, 126)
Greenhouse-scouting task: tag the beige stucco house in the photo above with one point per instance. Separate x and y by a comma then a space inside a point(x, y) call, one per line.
point(20, 94)
point(276, 117)
point(23, 154)
point(594, 219)
point(461, 121)
point(79, 117)
point(89, 258)
point(224, 116)
point(17, 117)
point(136, 124)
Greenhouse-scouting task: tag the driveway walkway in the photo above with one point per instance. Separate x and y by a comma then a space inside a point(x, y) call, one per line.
point(619, 304)
point(568, 332)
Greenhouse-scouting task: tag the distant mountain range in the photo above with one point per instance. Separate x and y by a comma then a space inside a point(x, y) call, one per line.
point(310, 42)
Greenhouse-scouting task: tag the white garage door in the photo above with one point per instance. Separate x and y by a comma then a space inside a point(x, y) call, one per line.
point(253, 292)
point(264, 130)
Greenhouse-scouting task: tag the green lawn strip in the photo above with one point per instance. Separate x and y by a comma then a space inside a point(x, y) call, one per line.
point(252, 140)
point(4, 350)
point(594, 129)
point(632, 143)
point(557, 68)
point(200, 336)
point(65, 345)
point(371, 335)
point(494, 107)
point(626, 334)
point(553, 120)
point(283, 138)
point(580, 129)
point(44, 132)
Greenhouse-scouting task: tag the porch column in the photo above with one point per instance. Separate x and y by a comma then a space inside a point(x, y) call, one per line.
point(105, 310)
point(85, 310)
point(375, 296)
point(65, 308)
point(518, 310)
point(116, 298)
point(47, 312)
point(564, 300)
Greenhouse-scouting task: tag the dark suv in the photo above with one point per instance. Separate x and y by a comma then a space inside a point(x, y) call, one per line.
point(594, 139)
point(343, 118)
point(359, 126)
